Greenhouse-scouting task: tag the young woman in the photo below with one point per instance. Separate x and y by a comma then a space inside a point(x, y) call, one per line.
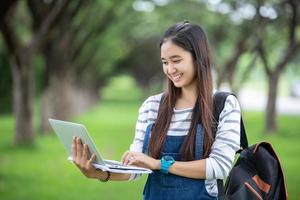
point(174, 131)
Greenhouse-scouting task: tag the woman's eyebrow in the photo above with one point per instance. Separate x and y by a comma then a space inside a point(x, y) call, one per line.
point(175, 56)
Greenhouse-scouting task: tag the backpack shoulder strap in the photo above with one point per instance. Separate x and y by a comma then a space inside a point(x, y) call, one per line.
point(219, 103)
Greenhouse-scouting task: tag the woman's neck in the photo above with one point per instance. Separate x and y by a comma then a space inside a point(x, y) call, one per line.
point(187, 98)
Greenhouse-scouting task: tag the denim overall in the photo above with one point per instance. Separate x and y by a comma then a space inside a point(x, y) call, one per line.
point(160, 186)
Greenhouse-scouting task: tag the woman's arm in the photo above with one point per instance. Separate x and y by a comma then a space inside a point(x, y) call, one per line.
point(191, 169)
point(219, 162)
point(113, 176)
point(227, 142)
point(83, 160)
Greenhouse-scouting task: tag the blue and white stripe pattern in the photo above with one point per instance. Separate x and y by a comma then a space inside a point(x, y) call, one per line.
point(226, 143)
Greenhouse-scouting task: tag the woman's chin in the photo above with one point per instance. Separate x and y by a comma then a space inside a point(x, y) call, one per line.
point(177, 84)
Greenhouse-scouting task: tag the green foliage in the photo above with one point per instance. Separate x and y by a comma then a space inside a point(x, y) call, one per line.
point(119, 88)
point(126, 27)
point(22, 22)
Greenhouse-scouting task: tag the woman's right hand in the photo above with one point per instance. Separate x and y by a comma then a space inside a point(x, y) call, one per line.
point(83, 160)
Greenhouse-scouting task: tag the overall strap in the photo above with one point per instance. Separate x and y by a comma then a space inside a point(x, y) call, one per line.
point(149, 129)
point(199, 143)
point(147, 137)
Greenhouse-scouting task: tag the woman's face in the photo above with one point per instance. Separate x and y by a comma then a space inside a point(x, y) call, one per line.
point(178, 65)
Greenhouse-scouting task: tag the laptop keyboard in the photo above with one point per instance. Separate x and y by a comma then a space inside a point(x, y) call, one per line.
point(114, 163)
point(117, 165)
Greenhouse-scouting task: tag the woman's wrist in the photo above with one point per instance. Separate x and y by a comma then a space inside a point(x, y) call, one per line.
point(105, 179)
point(100, 174)
point(157, 164)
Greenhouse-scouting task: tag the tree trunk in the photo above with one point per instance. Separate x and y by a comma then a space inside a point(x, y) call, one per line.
point(57, 100)
point(23, 100)
point(46, 110)
point(271, 122)
point(63, 95)
point(63, 99)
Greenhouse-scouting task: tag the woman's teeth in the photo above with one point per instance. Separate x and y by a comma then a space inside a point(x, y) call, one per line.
point(176, 78)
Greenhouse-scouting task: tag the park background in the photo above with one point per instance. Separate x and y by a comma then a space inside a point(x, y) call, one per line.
point(95, 62)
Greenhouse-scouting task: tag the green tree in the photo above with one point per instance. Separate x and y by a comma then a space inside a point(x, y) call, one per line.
point(275, 63)
point(73, 69)
point(20, 56)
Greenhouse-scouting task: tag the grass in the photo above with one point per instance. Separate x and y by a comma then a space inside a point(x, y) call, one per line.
point(42, 172)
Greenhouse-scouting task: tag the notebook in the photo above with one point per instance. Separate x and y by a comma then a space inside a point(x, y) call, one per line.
point(67, 130)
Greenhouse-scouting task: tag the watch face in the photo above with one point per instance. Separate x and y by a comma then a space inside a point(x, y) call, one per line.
point(168, 158)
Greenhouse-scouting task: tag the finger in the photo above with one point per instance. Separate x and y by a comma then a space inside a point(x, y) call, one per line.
point(130, 159)
point(127, 159)
point(129, 156)
point(84, 158)
point(124, 157)
point(79, 147)
point(133, 161)
point(74, 151)
point(91, 160)
point(88, 154)
point(84, 154)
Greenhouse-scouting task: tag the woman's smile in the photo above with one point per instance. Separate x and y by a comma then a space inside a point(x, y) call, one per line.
point(177, 77)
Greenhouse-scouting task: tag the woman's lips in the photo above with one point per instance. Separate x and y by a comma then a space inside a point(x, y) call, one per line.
point(176, 77)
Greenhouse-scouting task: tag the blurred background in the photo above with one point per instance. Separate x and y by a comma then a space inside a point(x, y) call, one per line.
point(95, 62)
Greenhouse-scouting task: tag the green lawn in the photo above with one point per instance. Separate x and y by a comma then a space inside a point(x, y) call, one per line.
point(42, 171)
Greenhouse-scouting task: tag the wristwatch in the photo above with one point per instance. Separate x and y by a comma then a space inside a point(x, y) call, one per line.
point(166, 163)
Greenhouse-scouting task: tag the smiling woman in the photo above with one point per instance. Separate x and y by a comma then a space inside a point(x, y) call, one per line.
point(178, 65)
point(175, 129)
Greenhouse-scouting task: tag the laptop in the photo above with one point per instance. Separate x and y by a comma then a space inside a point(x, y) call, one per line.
point(67, 130)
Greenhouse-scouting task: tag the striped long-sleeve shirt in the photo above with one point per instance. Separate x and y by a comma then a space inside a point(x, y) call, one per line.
point(226, 143)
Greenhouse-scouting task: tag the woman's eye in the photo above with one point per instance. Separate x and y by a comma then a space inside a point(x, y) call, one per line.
point(177, 61)
point(164, 63)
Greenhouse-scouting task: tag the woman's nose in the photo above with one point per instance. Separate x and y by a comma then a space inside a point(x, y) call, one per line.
point(171, 69)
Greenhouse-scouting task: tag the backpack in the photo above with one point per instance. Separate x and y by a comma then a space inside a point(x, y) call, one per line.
point(257, 173)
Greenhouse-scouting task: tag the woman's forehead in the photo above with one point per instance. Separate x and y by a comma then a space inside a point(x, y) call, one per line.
point(170, 50)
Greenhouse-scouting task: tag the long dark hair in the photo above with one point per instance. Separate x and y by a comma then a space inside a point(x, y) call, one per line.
point(192, 38)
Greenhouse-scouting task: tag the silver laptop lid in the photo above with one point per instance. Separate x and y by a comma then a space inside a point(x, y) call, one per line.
point(67, 130)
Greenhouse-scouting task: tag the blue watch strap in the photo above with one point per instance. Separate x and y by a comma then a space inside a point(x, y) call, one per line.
point(164, 167)
point(166, 163)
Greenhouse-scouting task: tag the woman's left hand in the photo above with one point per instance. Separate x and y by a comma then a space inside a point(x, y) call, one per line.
point(141, 160)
